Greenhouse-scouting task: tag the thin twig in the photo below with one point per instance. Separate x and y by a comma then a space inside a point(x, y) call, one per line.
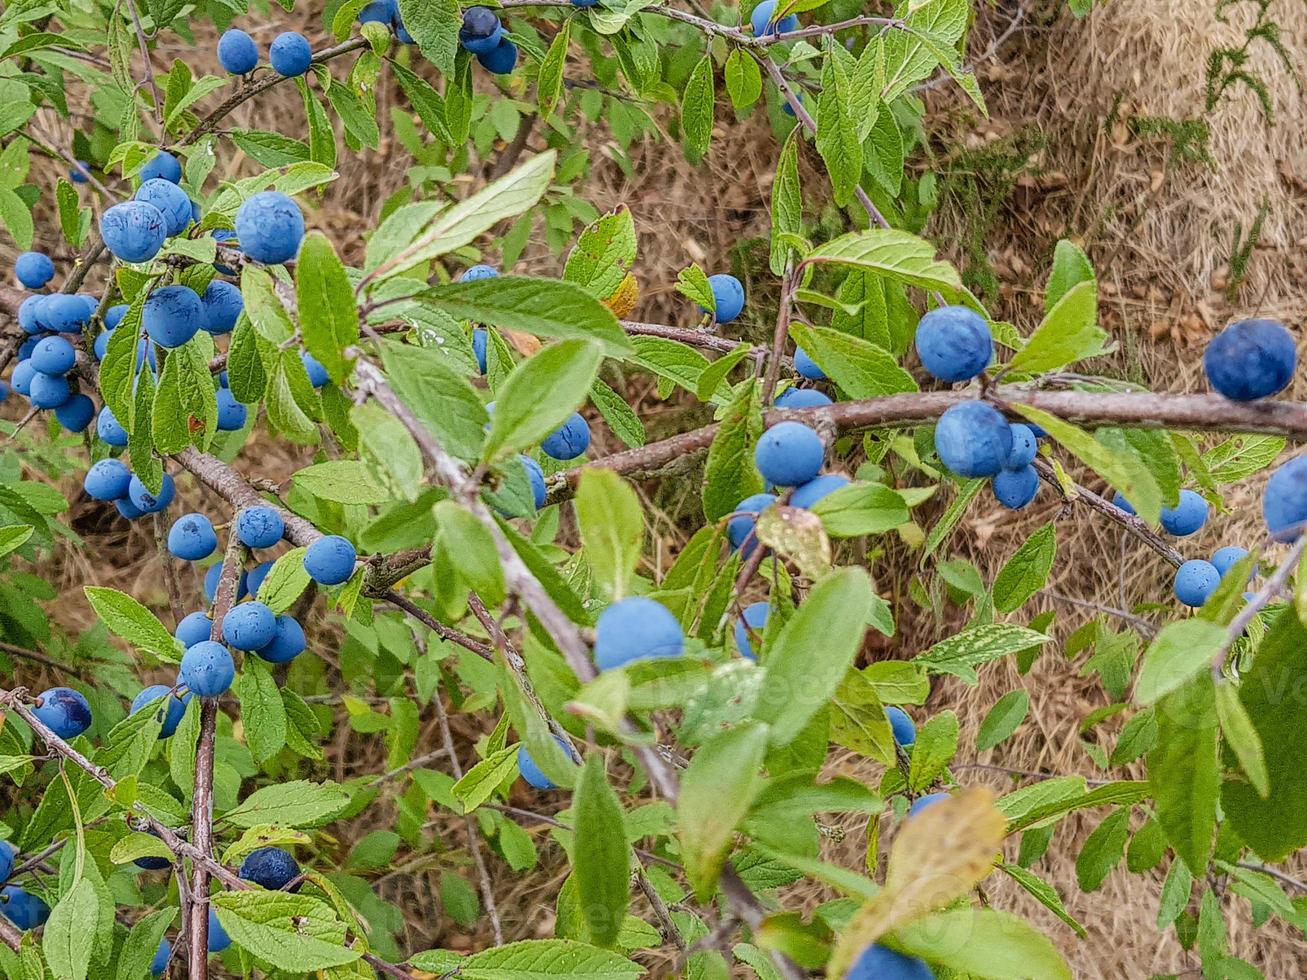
point(1273, 587)
point(169, 571)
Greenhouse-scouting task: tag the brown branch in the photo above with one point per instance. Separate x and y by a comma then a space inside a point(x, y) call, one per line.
point(169, 570)
point(40, 658)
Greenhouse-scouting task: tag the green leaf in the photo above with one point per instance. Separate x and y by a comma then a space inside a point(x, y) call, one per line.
point(697, 110)
point(837, 130)
point(859, 367)
point(185, 407)
point(743, 79)
point(540, 395)
point(132, 621)
point(601, 857)
point(1003, 719)
point(611, 522)
point(440, 397)
point(434, 26)
point(1242, 737)
point(295, 933)
point(285, 581)
point(478, 565)
point(1184, 770)
point(262, 306)
point(1274, 825)
point(17, 218)
point(716, 792)
point(1071, 267)
point(808, 658)
point(1125, 471)
point(861, 509)
point(245, 374)
point(13, 537)
point(262, 712)
point(962, 653)
point(532, 960)
point(271, 149)
point(936, 745)
point(786, 195)
point(617, 414)
point(858, 720)
point(1069, 333)
point(344, 481)
point(730, 474)
point(603, 255)
point(141, 943)
point(983, 943)
point(692, 283)
point(1026, 572)
point(67, 941)
point(1044, 893)
point(545, 307)
point(1102, 850)
point(892, 253)
point(329, 316)
point(297, 803)
point(479, 782)
point(549, 83)
point(883, 153)
point(1179, 652)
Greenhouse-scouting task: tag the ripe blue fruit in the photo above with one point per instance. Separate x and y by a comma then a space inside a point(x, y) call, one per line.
point(108, 429)
point(1251, 359)
point(61, 313)
point(905, 732)
point(1195, 581)
point(812, 491)
point(480, 32)
point(195, 627)
point(1227, 557)
point(290, 54)
point(145, 501)
point(314, 369)
point(48, 391)
point(218, 938)
point(878, 962)
point(1120, 500)
point(954, 343)
point(7, 854)
point(536, 476)
point(34, 269)
point(378, 12)
point(207, 669)
point(802, 398)
point(164, 165)
point(161, 957)
point(107, 480)
point(22, 908)
point(171, 201)
point(739, 528)
point(22, 377)
point(1284, 501)
point(477, 272)
point(192, 538)
point(1187, 516)
point(1024, 446)
point(222, 306)
point(128, 510)
point(1016, 488)
point(501, 60)
point(973, 439)
point(114, 315)
point(134, 231)
point(636, 628)
point(255, 576)
point(64, 711)
point(29, 313)
point(479, 338)
point(249, 626)
point(806, 366)
point(287, 642)
point(231, 413)
point(532, 773)
point(761, 19)
point(270, 227)
point(330, 560)
point(569, 440)
point(930, 799)
point(753, 618)
point(728, 297)
point(789, 454)
point(172, 315)
point(272, 867)
point(237, 52)
point(76, 413)
point(172, 709)
point(259, 527)
point(211, 578)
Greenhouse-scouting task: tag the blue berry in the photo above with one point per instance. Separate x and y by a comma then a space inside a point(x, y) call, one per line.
point(222, 306)
point(173, 708)
point(22, 377)
point(480, 33)
point(878, 962)
point(207, 669)
point(270, 227)
point(271, 867)
point(1251, 359)
point(172, 315)
point(34, 269)
point(290, 54)
point(192, 538)
point(479, 338)
point(536, 476)
point(973, 439)
point(7, 854)
point(633, 629)
point(532, 773)
point(1016, 488)
point(64, 711)
point(218, 938)
point(61, 313)
point(728, 296)
point(150, 503)
point(22, 908)
point(313, 368)
point(195, 627)
point(814, 490)
point(48, 391)
point(287, 642)
point(161, 957)
point(1120, 500)
point(905, 732)
point(249, 626)
point(1024, 446)
point(231, 413)
point(1186, 517)
point(379, 12)
point(134, 231)
point(739, 528)
point(930, 799)
point(802, 398)
point(108, 429)
point(1284, 501)
point(78, 173)
point(163, 165)
point(761, 20)
point(806, 366)
point(569, 440)
point(29, 313)
point(237, 52)
point(502, 60)
point(1227, 557)
point(254, 578)
point(259, 527)
point(76, 413)
point(1195, 581)
point(954, 343)
point(789, 454)
point(171, 201)
point(330, 560)
point(127, 509)
point(753, 618)
point(114, 315)
point(53, 355)
point(211, 578)
point(477, 272)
